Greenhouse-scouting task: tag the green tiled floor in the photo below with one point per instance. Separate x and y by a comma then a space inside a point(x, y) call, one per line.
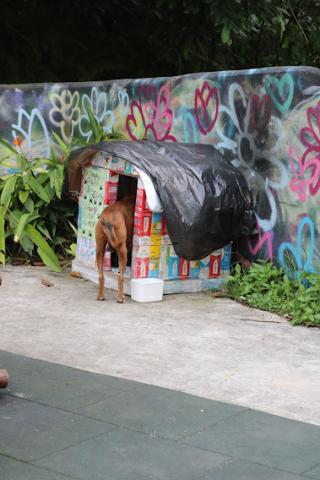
point(60, 423)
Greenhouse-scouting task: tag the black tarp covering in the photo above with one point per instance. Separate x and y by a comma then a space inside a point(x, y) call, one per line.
point(206, 201)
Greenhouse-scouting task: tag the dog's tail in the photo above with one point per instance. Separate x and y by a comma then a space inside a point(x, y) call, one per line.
point(112, 237)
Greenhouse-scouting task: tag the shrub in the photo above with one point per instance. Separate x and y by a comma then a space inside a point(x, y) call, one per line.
point(34, 217)
point(267, 287)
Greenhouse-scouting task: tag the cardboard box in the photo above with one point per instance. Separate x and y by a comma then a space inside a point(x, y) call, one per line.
point(156, 225)
point(86, 253)
point(140, 263)
point(194, 269)
point(111, 189)
point(142, 223)
point(141, 200)
point(169, 263)
point(226, 258)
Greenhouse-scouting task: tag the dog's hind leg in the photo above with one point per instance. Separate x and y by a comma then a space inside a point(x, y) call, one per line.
point(122, 255)
point(101, 241)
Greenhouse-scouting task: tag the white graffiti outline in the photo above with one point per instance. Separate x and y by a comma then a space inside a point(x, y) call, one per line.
point(65, 106)
point(124, 102)
point(103, 116)
point(254, 178)
point(32, 147)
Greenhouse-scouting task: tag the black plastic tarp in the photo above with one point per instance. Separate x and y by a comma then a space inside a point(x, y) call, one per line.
point(206, 201)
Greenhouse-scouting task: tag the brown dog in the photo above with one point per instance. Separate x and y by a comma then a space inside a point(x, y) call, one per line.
point(115, 228)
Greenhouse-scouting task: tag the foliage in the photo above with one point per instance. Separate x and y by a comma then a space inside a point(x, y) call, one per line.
point(206, 35)
point(34, 218)
point(266, 287)
point(33, 213)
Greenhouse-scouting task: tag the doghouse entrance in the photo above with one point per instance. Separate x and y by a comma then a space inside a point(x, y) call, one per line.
point(127, 185)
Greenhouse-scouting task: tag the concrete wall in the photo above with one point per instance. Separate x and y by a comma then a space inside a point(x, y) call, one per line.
point(266, 122)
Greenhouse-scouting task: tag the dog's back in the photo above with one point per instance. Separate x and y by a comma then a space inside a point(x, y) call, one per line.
point(117, 222)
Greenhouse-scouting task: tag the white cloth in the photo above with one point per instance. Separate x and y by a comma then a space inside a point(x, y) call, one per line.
point(153, 201)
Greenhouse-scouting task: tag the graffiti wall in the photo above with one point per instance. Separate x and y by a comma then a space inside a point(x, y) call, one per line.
point(265, 121)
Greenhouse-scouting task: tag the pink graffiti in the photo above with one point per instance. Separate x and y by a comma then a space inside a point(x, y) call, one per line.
point(299, 183)
point(259, 112)
point(154, 114)
point(264, 241)
point(310, 137)
point(206, 107)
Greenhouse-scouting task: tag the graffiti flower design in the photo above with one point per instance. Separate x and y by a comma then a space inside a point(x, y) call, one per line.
point(306, 174)
point(247, 127)
point(97, 103)
point(206, 107)
point(30, 134)
point(151, 118)
point(65, 113)
point(310, 138)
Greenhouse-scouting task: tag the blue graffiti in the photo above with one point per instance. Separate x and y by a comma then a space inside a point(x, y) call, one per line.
point(190, 131)
point(303, 260)
point(281, 91)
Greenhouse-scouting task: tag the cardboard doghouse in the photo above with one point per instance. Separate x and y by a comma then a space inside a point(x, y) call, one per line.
point(104, 179)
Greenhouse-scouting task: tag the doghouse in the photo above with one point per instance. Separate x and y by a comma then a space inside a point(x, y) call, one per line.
point(105, 179)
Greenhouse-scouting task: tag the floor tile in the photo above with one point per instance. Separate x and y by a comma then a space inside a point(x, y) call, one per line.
point(262, 438)
point(159, 411)
point(127, 455)
point(244, 470)
point(14, 470)
point(64, 387)
point(29, 430)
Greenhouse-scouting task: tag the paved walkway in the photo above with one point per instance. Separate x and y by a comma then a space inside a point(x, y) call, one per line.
point(213, 348)
point(61, 423)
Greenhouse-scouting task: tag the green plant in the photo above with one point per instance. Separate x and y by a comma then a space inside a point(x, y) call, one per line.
point(33, 215)
point(267, 287)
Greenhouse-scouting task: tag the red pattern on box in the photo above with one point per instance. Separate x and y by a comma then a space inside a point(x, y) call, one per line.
point(111, 189)
point(164, 226)
point(184, 270)
point(142, 223)
point(215, 266)
point(140, 267)
point(141, 200)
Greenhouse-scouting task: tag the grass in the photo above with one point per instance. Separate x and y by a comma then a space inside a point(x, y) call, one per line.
point(267, 287)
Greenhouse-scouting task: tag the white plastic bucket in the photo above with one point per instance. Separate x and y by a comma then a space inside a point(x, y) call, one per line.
point(147, 289)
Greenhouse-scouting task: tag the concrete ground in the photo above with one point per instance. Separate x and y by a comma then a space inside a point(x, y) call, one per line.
point(213, 348)
point(60, 423)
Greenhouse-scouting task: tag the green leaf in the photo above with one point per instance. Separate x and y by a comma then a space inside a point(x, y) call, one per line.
point(58, 180)
point(2, 258)
point(29, 205)
point(73, 228)
point(64, 146)
point(7, 192)
point(94, 125)
point(47, 254)
point(23, 195)
point(9, 147)
point(20, 227)
point(27, 244)
point(14, 218)
point(225, 34)
point(44, 231)
point(48, 260)
point(2, 235)
point(38, 189)
point(72, 249)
